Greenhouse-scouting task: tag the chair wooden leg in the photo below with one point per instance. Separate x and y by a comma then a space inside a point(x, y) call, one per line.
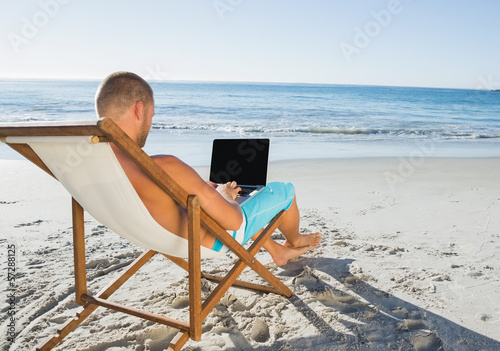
point(180, 339)
point(194, 268)
point(79, 251)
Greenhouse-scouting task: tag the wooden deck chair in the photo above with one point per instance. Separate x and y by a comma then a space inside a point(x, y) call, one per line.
point(78, 154)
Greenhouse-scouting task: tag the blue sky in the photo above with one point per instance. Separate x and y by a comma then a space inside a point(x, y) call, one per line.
point(446, 43)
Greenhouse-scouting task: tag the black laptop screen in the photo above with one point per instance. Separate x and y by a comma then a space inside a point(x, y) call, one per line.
point(241, 160)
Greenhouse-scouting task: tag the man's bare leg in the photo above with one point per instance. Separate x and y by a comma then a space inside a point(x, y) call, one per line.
point(296, 244)
point(281, 254)
point(290, 227)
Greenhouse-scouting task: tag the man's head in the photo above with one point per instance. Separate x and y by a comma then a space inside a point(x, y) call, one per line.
point(127, 99)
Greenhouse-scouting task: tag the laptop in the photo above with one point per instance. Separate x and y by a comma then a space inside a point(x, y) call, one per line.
point(243, 161)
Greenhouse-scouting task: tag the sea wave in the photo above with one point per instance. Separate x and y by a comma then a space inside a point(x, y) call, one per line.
point(385, 133)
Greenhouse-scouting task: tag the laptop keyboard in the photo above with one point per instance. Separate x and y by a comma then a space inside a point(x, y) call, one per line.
point(246, 191)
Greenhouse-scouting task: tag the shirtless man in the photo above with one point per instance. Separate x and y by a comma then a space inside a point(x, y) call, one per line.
point(128, 100)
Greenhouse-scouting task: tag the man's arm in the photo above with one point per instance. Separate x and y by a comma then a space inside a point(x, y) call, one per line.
point(218, 202)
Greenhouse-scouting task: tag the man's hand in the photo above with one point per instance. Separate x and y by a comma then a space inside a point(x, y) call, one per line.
point(229, 190)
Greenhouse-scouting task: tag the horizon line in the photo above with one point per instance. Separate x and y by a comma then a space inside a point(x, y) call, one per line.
point(89, 79)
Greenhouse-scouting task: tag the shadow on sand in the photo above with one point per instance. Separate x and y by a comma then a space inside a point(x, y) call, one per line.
point(370, 319)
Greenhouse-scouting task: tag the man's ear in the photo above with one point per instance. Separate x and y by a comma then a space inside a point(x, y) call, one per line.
point(139, 110)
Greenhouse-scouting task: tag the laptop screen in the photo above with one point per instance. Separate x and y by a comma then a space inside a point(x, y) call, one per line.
point(241, 160)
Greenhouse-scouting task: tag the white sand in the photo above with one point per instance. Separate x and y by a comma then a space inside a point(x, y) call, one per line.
point(409, 261)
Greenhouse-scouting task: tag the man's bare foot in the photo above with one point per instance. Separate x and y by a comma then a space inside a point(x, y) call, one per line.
point(310, 241)
point(284, 254)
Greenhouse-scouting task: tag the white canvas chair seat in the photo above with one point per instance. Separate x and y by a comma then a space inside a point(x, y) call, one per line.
point(93, 176)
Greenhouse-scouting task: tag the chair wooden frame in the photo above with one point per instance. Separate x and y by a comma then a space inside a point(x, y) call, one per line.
point(105, 130)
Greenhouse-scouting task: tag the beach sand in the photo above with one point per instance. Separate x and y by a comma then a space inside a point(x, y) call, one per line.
point(409, 261)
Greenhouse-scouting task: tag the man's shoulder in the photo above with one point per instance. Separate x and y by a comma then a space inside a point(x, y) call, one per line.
point(168, 160)
point(172, 164)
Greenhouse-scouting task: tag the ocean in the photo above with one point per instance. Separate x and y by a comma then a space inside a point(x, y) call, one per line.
point(302, 120)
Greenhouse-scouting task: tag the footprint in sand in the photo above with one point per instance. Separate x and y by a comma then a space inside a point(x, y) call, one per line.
point(484, 317)
point(260, 331)
point(308, 279)
point(180, 302)
point(37, 222)
point(341, 302)
point(322, 292)
point(426, 342)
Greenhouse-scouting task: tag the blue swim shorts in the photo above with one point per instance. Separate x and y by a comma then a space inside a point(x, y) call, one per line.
point(260, 210)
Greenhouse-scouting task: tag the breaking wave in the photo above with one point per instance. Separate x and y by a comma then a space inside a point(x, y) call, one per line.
point(340, 132)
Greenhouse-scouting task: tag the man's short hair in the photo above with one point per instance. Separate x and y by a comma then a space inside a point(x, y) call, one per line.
point(119, 91)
